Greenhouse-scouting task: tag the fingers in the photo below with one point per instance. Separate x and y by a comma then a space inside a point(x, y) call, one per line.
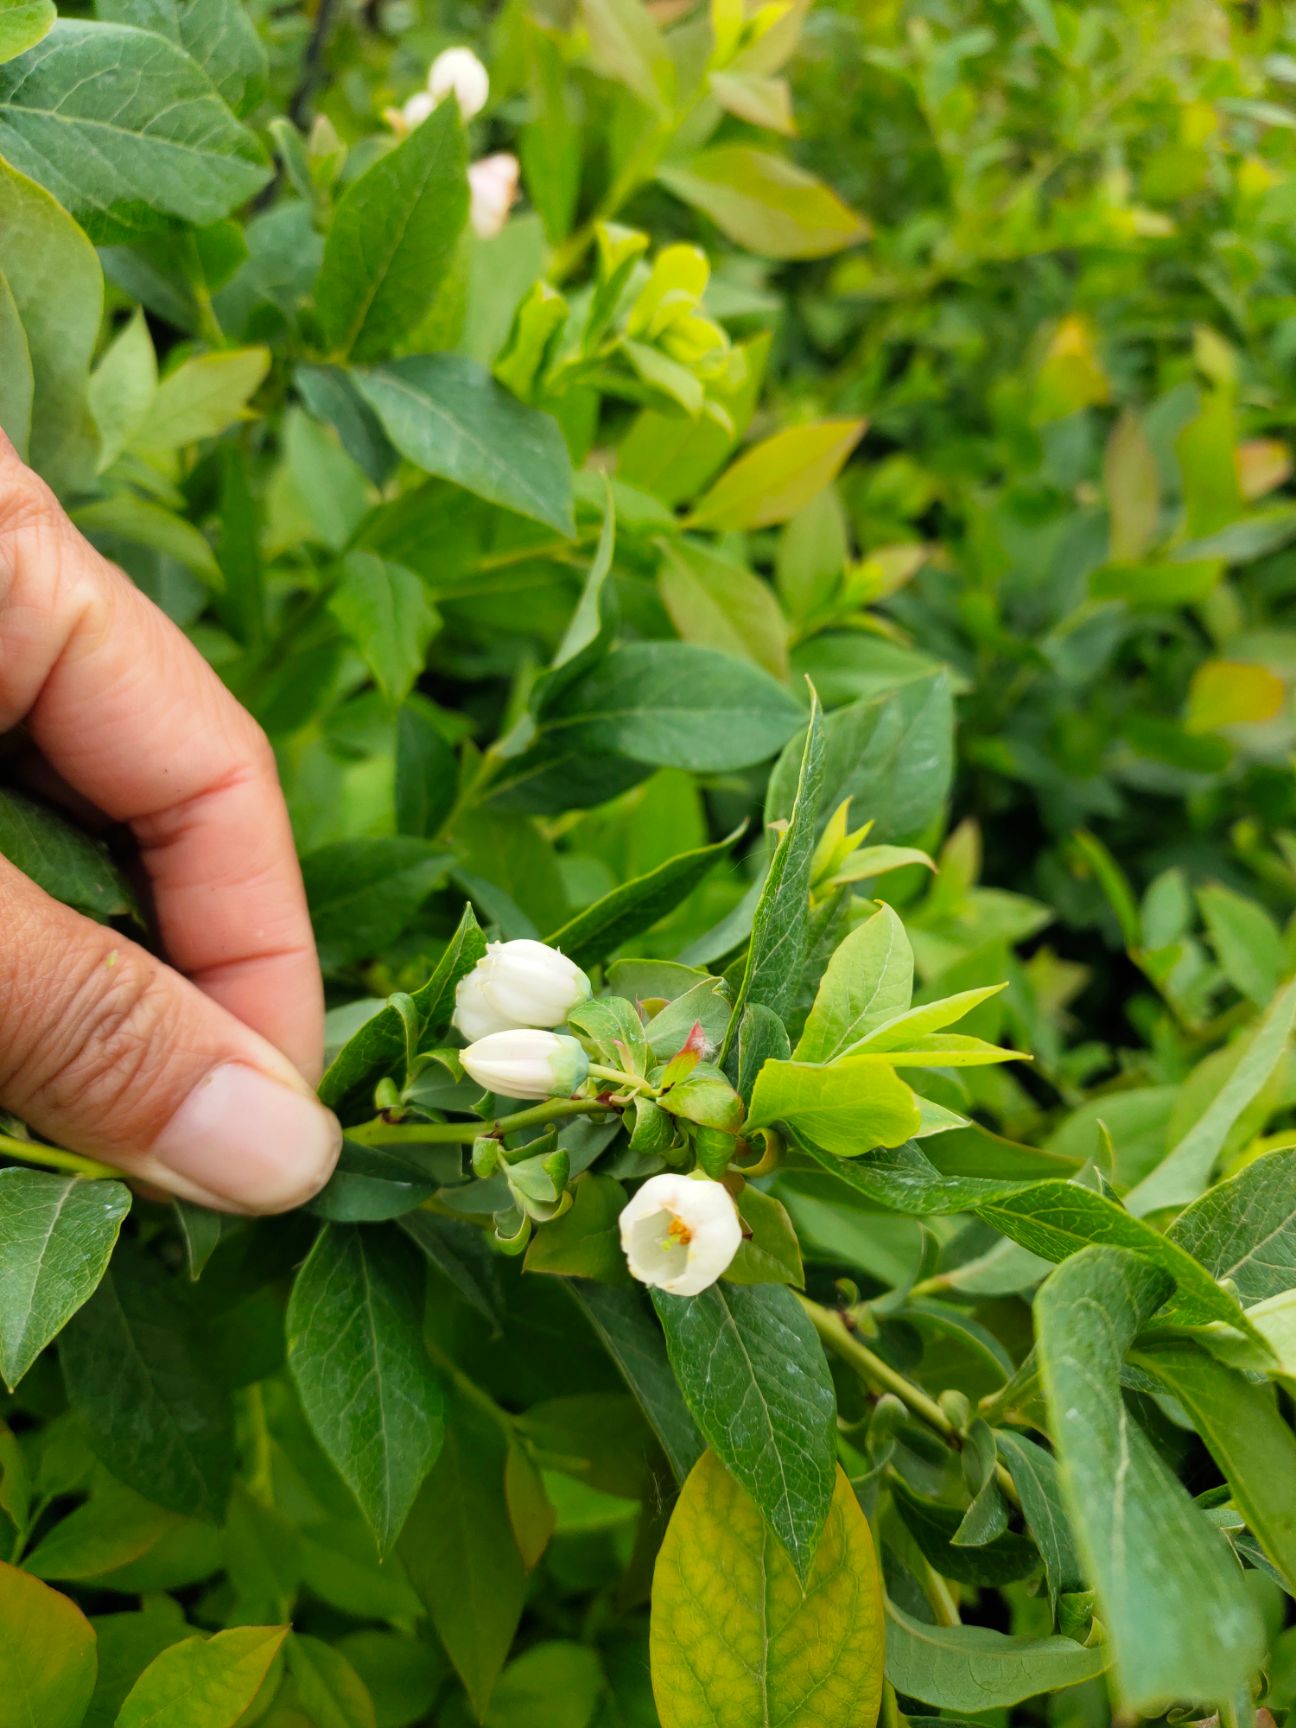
point(106, 1050)
point(132, 718)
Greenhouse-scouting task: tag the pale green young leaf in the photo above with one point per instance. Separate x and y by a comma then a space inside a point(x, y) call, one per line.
point(1183, 1172)
point(201, 398)
point(392, 239)
point(626, 45)
point(125, 130)
point(896, 1032)
point(56, 286)
point(47, 1654)
point(804, 1651)
point(22, 25)
point(1246, 1434)
point(204, 1682)
point(122, 387)
point(864, 990)
point(753, 1374)
point(778, 477)
point(848, 1106)
point(776, 953)
point(719, 604)
point(1244, 1229)
point(386, 612)
point(1132, 479)
point(56, 1237)
point(446, 415)
point(976, 1668)
point(1180, 1624)
point(356, 1353)
point(764, 202)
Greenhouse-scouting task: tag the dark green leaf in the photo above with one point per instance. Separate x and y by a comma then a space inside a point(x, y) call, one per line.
point(392, 238)
point(633, 907)
point(61, 859)
point(427, 774)
point(363, 893)
point(1244, 1229)
point(356, 1351)
point(752, 1371)
point(372, 1184)
point(585, 1241)
point(974, 1668)
point(460, 1254)
point(1179, 1623)
point(446, 415)
point(1039, 1487)
point(331, 394)
point(933, 1526)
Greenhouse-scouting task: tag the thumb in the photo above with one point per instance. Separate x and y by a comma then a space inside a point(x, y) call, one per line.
point(106, 1050)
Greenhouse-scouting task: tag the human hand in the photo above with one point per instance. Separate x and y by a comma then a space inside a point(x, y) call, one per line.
point(196, 1080)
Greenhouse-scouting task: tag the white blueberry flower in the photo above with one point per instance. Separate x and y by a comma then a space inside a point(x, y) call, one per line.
point(493, 189)
point(679, 1233)
point(460, 73)
point(414, 112)
point(520, 983)
point(527, 1063)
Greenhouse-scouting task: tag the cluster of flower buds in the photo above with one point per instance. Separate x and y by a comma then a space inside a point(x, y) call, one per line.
point(505, 1007)
point(493, 180)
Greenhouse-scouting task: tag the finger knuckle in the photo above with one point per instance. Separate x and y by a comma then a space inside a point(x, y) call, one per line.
point(110, 1042)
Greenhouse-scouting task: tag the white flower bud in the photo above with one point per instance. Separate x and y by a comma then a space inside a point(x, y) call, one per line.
point(519, 983)
point(493, 186)
point(460, 73)
point(527, 1063)
point(419, 107)
point(680, 1233)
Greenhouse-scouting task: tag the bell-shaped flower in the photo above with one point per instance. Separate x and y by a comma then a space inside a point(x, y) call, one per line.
point(527, 1063)
point(460, 73)
point(492, 189)
point(679, 1233)
point(520, 983)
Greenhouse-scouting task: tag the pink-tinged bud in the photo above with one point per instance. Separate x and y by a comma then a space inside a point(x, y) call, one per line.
point(527, 1063)
point(493, 185)
point(460, 73)
point(679, 1233)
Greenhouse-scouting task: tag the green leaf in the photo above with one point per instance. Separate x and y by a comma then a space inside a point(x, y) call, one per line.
point(752, 1372)
point(149, 1410)
point(17, 382)
point(122, 388)
point(47, 1655)
point(1240, 1422)
point(202, 1231)
point(427, 774)
point(585, 1242)
point(635, 906)
point(975, 1668)
point(392, 239)
point(356, 1353)
point(333, 397)
point(1244, 1229)
point(204, 1682)
point(363, 893)
point(23, 23)
point(56, 288)
point(892, 755)
point(776, 954)
point(1038, 1482)
point(218, 34)
point(461, 1553)
point(447, 416)
point(627, 46)
point(624, 1325)
point(739, 1637)
point(769, 1252)
point(765, 203)
point(128, 1642)
point(201, 398)
point(125, 130)
point(848, 1107)
point(1246, 941)
point(1003, 1560)
point(777, 478)
point(671, 705)
point(559, 1684)
point(1132, 480)
point(56, 1237)
point(328, 1687)
point(718, 604)
point(373, 1184)
point(867, 985)
point(1183, 1172)
point(1179, 1623)
point(379, 1047)
point(387, 614)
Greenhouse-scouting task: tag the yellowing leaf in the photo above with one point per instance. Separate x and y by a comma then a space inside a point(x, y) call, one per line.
point(47, 1655)
point(775, 479)
point(1071, 375)
point(760, 101)
point(1262, 466)
point(1232, 693)
point(765, 202)
point(1133, 484)
point(736, 1641)
point(203, 1682)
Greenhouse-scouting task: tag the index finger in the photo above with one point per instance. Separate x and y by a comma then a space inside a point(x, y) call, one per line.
point(132, 717)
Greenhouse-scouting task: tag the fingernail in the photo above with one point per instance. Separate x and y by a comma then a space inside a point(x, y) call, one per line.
point(250, 1140)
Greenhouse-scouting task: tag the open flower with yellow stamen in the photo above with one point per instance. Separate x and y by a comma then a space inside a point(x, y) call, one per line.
point(679, 1233)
